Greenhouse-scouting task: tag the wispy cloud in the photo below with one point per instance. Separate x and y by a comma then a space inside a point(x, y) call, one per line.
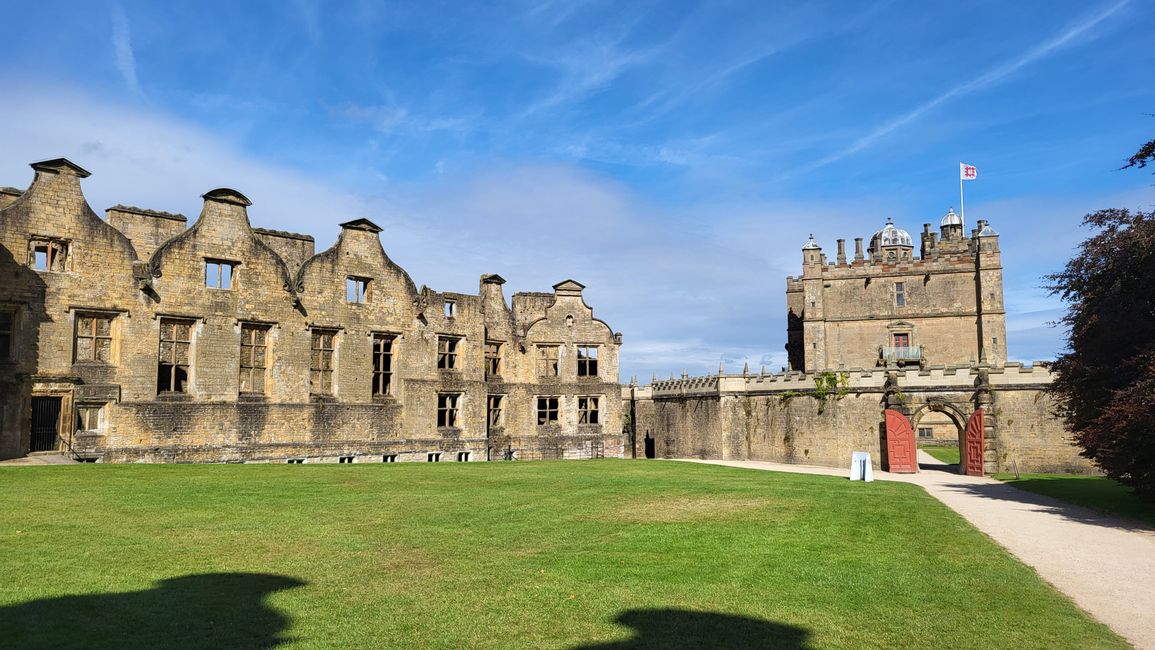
point(989, 77)
point(122, 45)
point(388, 118)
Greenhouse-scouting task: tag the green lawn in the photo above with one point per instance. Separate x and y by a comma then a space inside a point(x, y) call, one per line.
point(948, 455)
point(1095, 492)
point(599, 554)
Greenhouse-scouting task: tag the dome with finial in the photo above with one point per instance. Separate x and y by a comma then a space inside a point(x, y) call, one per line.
point(811, 244)
point(951, 219)
point(890, 235)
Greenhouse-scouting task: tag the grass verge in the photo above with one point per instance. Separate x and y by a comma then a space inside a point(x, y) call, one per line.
point(1095, 492)
point(595, 554)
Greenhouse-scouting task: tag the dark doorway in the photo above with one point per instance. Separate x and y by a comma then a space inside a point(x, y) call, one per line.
point(649, 446)
point(45, 423)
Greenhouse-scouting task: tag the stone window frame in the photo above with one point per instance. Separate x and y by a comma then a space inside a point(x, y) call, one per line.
point(223, 281)
point(94, 337)
point(493, 358)
point(587, 363)
point(547, 410)
point(449, 410)
point(433, 457)
point(85, 413)
point(57, 253)
point(448, 351)
point(357, 289)
point(900, 294)
point(389, 458)
point(450, 309)
point(173, 361)
point(251, 369)
point(545, 360)
point(8, 328)
point(463, 456)
point(495, 410)
point(382, 363)
point(322, 361)
point(589, 410)
point(929, 432)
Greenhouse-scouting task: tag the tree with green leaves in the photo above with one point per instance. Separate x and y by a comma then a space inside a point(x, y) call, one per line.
point(1105, 383)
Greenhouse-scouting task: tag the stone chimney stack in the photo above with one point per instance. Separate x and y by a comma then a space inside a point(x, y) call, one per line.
point(858, 249)
point(841, 252)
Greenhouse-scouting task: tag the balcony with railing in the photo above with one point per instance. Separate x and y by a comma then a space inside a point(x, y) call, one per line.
point(901, 355)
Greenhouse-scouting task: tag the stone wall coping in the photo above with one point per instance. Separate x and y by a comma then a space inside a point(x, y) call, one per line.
point(132, 209)
point(955, 377)
point(283, 233)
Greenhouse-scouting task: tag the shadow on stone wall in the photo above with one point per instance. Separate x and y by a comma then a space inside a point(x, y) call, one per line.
point(684, 629)
point(215, 610)
point(23, 289)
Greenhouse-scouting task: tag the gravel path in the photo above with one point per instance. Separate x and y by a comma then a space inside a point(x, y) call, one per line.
point(1105, 564)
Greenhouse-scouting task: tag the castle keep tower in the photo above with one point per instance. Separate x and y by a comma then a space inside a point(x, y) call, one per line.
point(889, 308)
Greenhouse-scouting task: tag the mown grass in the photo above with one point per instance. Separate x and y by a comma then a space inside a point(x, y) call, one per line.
point(608, 554)
point(1094, 492)
point(948, 455)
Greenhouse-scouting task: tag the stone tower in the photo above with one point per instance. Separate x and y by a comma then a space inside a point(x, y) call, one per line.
point(890, 308)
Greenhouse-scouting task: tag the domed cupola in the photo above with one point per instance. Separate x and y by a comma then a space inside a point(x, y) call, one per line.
point(811, 245)
point(951, 226)
point(891, 244)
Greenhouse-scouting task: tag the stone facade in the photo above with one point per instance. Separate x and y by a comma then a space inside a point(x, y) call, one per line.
point(134, 338)
point(922, 335)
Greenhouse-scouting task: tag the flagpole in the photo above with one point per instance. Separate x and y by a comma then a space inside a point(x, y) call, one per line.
point(961, 205)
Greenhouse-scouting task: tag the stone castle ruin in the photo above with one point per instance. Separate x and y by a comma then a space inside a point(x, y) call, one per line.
point(139, 338)
point(880, 346)
point(136, 338)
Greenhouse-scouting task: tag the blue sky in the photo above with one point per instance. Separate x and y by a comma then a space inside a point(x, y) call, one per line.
point(672, 156)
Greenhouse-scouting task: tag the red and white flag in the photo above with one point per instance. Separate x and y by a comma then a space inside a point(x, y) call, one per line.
point(967, 172)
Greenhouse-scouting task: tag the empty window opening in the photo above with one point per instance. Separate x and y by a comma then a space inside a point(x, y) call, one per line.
point(345, 459)
point(382, 364)
point(463, 456)
point(389, 458)
point(219, 274)
point(495, 407)
point(447, 352)
point(899, 294)
point(295, 461)
point(587, 356)
point(546, 411)
point(447, 405)
point(172, 372)
point(588, 410)
point(7, 330)
point(356, 290)
point(450, 309)
point(547, 360)
point(254, 358)
point(49, 255)
point(925, 432)
point(89, 417)
point(492, 359)
point(321, 362)
point(93, 338)
point(433, 457)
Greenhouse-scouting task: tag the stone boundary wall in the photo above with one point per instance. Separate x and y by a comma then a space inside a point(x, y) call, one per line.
point(777, 417)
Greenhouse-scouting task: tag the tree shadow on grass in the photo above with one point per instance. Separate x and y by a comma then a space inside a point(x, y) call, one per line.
point(214, 610)
point(1043, 503)
point(684, 629)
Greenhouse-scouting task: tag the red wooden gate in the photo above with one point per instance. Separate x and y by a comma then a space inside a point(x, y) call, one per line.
point(973, 445)
point(901, 453)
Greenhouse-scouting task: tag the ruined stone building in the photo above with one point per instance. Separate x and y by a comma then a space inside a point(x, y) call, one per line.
point(139, 338)
point(885, 331)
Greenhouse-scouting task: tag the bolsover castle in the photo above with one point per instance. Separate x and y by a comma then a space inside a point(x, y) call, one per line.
point(136, 338)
